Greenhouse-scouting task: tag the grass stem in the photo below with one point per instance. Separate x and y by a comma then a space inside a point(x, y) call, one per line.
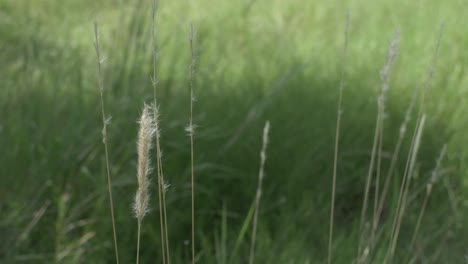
point(337, 140)
point(191, 131)
point(105, 122)
point(161, 189)
point(258, 196)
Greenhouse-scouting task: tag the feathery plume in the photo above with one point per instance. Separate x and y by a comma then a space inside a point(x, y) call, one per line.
point(145, 135)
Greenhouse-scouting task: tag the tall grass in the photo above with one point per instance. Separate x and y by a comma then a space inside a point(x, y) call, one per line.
point(404, 187)
point(253, 67)
point(393, 162)
point(337, 138)
point(141, 205)
point(191, 131)
point(105, 122)
point(365, 251)
point(258, 196)
point(376, 150)
point(435, 176)
point(375, 163)
point(161, 184)
point(385, 79)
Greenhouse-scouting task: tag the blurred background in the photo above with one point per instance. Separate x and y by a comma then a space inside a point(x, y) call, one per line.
point(256, 60)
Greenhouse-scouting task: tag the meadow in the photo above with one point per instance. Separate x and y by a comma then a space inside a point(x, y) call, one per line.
point(280, 61)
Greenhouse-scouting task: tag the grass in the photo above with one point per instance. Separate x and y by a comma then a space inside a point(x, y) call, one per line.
point(258, 196)
point(191, 131)
point(275, 60)
point(105, 122)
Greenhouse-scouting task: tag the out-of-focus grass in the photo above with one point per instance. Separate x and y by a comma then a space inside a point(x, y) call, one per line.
point(257, 60)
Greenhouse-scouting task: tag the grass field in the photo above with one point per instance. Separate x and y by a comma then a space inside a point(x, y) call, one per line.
point(255, 61)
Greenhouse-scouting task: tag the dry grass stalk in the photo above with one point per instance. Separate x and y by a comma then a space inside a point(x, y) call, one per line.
point(105, 122)
point(385, 78)
point(395, 155)
point(258, 196)
point(436, 174)
point(164, 188)
point(191, 130)
point(367, 189)
point(145, 135)
point(377, 143)
point(161, 188)
point(401, 209)
point(337, 139)
point(425, 90)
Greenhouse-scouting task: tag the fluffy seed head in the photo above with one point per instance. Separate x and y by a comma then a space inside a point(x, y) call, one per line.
point(392, 54)
point(145, 135)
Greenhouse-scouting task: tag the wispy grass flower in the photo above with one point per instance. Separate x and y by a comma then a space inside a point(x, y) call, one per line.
point(145, 135)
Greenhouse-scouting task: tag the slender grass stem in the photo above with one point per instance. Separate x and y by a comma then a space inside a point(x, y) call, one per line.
point(395, 155)
point(403, 187)
point(367, 187)
point(401, 209)
point(337, 140)
point(427, 83)
point(161, 192)
point(392, 54)
point(435, 175)
point(258, 196)
point(138, 243)
point(191, 130)
point(377, 149)
point(105, 122)
point(378, 170)
point(168, 255)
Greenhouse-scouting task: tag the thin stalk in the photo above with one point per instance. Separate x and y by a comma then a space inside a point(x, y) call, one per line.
point(164, 187)
point(158, 147)
point(385, 73)
point(404, 188)
point(191, 131)
point(377, 144)
point(261, 174)
point(435, 175)
point(395, 155)
point(138, 243)
point(379, 167)
point(421, 214)
point(427, 83)
point(367, 187)
point(337, 140)
point(409, 174)
point(105, 122)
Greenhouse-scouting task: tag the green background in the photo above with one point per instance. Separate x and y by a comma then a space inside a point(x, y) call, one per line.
point(256, 61)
